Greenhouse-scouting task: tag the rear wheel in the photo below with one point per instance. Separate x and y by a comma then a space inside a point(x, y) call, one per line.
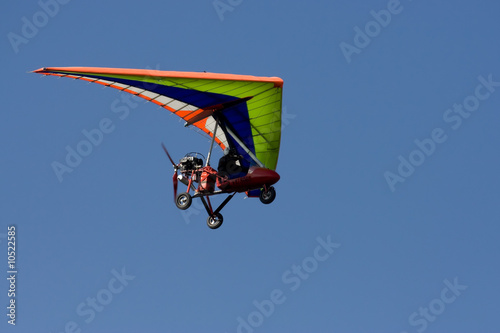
point(266, 197)
point(215, 221)
point(183, 201)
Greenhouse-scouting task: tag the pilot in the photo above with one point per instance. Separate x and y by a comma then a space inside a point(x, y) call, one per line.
point(230, 164)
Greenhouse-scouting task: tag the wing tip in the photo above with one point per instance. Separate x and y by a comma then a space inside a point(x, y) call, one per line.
point(39, 71)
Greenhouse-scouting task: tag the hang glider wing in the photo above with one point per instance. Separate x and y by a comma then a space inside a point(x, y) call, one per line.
point(248, 108)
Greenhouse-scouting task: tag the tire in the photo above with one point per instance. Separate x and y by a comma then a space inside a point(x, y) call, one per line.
point(215, 221)
point(266, 197)
point(183, 201)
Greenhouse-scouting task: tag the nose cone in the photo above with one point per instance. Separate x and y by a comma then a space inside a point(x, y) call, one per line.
point(273, 177)
point(265, 176)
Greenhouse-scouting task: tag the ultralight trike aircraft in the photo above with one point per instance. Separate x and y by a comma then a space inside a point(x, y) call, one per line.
point(240, 113)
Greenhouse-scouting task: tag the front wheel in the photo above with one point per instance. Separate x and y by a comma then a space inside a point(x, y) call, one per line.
point(183, 201)
point(266, 197)
point(215, 221)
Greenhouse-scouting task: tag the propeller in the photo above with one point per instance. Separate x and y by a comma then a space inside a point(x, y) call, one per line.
point(174, 178)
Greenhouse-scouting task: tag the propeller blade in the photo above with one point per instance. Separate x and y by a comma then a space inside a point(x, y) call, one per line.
point(169, 157)
point(175, 181)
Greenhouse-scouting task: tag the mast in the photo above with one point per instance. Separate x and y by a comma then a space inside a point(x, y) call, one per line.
point(212, 143)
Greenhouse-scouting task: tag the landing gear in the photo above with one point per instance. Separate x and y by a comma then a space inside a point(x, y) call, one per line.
point(266, 197)
point(215, 221)
point(183, 201)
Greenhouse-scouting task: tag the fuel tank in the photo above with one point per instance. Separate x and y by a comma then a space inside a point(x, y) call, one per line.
point(256, 177)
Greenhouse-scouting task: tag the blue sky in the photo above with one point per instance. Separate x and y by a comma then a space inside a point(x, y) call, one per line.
point(386, 216)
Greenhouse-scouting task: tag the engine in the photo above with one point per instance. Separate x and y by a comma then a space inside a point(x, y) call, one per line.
point(190, 163)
